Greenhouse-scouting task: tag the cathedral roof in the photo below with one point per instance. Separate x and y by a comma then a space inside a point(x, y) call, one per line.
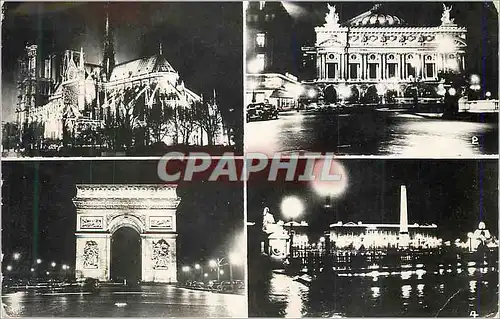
point(375, 18)
point(141, 66)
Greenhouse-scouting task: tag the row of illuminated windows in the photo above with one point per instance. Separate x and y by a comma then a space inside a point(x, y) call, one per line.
point(332, 70)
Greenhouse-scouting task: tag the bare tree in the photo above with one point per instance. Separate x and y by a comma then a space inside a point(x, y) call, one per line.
point(209, 119)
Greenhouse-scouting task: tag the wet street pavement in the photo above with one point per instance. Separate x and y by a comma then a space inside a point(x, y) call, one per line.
point(371, 132)
point(418, 293)
point(143, 301)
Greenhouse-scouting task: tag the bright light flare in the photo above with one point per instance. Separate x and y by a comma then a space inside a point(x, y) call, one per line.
point(256, 66)
point(329, 188)
point(235, 258)
point(17, 256)
point(446, 45)
point(344, 91)
point(311, 93)
point(292, 207)
point(475, 79)
point(212, 263)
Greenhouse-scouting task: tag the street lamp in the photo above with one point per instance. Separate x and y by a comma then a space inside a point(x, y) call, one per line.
point(331, 179)
point(381, 90)
point(234, 260)
point(53, 264)
point(217, 263)
point(186, 270)
point(17, 256)
point(9, 268)
point(256, 65)
point(291, 207)
point(252, 85)
point(311, 93)
point(199, 268)
point(330, 189)
point(38, 261)
point(469, 235)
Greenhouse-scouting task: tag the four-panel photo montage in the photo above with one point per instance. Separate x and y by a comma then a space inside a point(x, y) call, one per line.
point(250, 159)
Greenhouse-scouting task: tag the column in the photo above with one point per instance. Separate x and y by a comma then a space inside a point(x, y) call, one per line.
point(384, 63)
point(318, 65)
point(462, 59)
point(108, 255)
point(321, 65)
point(422, 65)
point(363, 59)
point(341, 66)
point(400, 66)
point(381, 66)
point(346, 68)
point(404, 67)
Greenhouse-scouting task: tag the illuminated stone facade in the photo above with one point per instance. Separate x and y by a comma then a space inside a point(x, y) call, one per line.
point(382, 236)
point(380, 50)
point(277, 236)
point(63, 94)
point(148, 209)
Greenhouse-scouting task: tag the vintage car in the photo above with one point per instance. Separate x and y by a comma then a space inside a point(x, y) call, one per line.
point(261, 111)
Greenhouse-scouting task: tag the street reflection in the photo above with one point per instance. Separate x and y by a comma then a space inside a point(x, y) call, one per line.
point(384, 292)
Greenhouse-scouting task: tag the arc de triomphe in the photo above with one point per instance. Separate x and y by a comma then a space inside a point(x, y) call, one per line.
point(148, 209)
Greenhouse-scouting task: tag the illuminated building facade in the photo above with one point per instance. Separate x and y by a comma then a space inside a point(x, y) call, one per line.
point(277, 239)
point(379, 236)
point(269, 36)
point(149, 210)
point(61, 95)
point(376, 55)
point(382, 236)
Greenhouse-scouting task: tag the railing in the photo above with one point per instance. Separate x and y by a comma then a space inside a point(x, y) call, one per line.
point(478, 106)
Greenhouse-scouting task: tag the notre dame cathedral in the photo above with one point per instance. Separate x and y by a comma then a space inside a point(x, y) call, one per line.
point(66, 100)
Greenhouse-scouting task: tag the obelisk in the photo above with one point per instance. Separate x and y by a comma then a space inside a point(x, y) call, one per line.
point(404, 237)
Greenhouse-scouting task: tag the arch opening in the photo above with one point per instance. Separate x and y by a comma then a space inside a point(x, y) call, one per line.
point(330, 95)
point(126, 255)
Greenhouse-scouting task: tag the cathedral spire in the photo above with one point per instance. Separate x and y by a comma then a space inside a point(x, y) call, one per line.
point(108, 62)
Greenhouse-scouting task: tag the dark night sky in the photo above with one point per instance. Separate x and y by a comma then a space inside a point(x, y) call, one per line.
point(202, 41)
point(450, 193)
point(209, 217)
point(480, 18)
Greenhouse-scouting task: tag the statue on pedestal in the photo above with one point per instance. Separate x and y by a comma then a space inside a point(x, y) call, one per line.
point(445, 18)
point(332, 17)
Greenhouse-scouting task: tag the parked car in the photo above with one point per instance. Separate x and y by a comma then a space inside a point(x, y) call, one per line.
point(261, 111)
point(213, 284)
point(91, 285)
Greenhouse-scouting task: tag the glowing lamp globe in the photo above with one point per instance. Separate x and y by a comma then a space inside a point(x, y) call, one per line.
point(292, 207)
point(330, 178)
